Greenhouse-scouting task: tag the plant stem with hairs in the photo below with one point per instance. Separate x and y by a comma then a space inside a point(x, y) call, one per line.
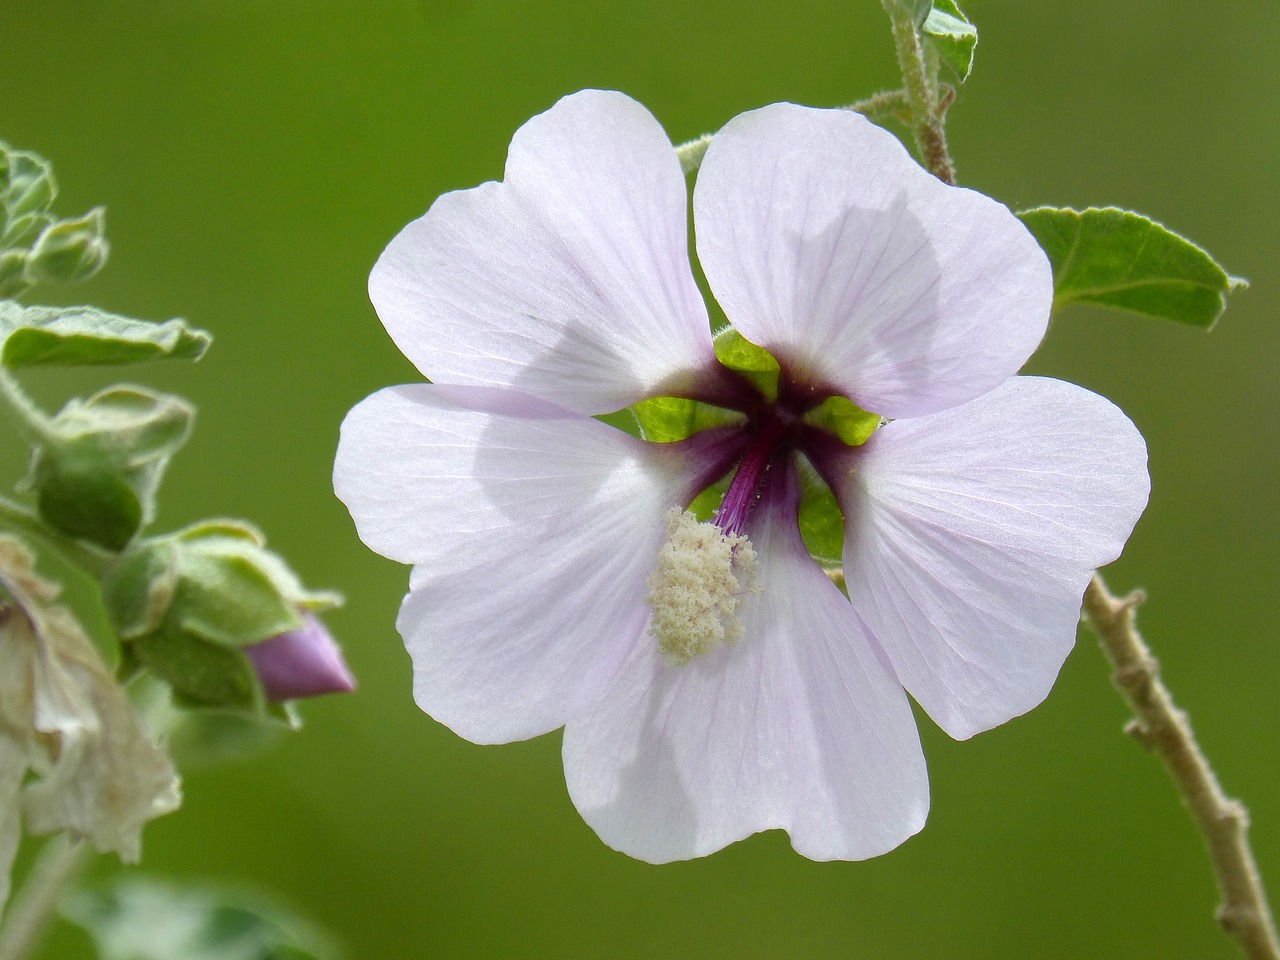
point(1162, 728)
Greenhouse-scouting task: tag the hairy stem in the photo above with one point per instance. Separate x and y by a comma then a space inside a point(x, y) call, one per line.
point(31, 418)
point(1164, 729)
point(920, 79)
point(33, 905)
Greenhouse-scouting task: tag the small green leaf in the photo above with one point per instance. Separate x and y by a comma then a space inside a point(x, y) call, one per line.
point(756, 363)
point(139, 424)
point(667, 419)
point(69, 250)
point(953, 36)
point(844, 418)
point(26, 182)
point(202, 673)
point(77, 336)
point(13, 267)
point(139, 586)
point(1117, 258)
point(78, 497)
point(19, 229)
point(821, 520)
point(143, 919)
point(231, 597)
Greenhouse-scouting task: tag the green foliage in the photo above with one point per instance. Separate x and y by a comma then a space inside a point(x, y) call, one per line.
point(139, 919)
point(1117, 258)
point(952, 35)
point(80, 336)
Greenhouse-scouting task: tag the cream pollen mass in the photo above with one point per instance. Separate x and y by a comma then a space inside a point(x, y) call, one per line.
point(701, 574)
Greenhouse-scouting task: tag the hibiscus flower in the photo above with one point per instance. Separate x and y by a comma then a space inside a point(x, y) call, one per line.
point(712, 679)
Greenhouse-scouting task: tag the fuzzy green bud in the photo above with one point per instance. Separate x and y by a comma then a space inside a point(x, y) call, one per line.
point(187, 605)
point(26, 182)
point(69, 250)
point(96, 472)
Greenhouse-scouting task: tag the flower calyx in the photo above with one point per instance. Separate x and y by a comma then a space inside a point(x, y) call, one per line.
point(222, 619)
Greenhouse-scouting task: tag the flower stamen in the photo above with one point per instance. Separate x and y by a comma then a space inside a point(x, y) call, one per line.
point(694, 590)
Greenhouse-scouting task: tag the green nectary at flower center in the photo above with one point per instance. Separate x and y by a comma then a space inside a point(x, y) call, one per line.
point(706, 564)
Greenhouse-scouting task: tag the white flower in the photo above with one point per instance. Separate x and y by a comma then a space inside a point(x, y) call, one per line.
point(74, 754)
point(538, 599)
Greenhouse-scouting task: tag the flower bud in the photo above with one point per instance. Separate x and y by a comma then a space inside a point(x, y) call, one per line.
point(222, 619)
point(26, 182)
point(69, 250)
point(96, 472)
point(301, 663)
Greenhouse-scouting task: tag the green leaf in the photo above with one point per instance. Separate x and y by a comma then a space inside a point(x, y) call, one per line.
point(202, 673)
point(137, 424)
point(821, 520)
point(667, 419)
point(19, 229)
point(26, 182)
point(232, 591)
point(78, 336)
point(69, 250)
point(756, 363)
point(1117, 258)
point(13, 267)
point(953, 36)
point(142, 919)
point(844, 418)
point(139, 586)
point(78, 497)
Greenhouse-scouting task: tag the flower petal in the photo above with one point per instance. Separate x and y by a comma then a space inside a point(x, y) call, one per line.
point(570, 279)
point(970, 536)
point(535, 530)
point(829, 246)
point(798, 725)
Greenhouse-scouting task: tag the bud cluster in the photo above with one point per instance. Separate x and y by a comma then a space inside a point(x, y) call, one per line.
point(35, 246)
point(222, 619)
point(208, 609)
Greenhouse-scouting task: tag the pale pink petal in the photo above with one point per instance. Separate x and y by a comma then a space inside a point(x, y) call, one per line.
point(970, 536)
point(828, 245)
point(535, 530)
point(798, 726)
point(569, 280)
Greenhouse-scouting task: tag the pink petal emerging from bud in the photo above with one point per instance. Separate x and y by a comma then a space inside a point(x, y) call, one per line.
point(301, 663)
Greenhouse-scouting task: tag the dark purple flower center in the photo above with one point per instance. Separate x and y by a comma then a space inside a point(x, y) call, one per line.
point(776, 428)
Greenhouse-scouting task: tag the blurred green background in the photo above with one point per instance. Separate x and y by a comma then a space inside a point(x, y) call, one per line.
point(255, 157)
